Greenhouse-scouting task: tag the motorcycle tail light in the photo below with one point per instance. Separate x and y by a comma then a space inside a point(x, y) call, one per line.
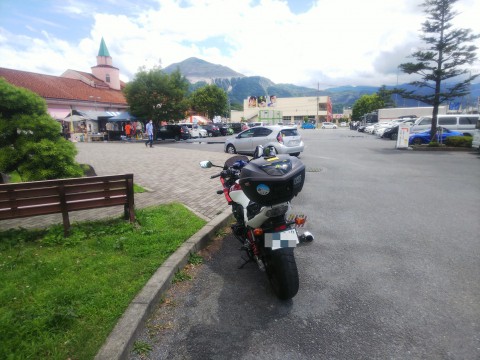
point(258, 231)
point(281, 228)
point(280, 138)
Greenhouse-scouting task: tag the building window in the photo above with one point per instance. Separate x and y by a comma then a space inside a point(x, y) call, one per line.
point(108, 78)
point(322, 107)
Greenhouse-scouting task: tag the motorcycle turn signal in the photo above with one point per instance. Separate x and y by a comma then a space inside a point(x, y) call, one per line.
point(258, 231)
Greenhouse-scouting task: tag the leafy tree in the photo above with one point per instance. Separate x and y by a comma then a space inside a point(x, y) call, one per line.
point(386, 96)
point(366, 104)
point(31, 142)
point(156, 95)
point(445, 58)
point(210, 100)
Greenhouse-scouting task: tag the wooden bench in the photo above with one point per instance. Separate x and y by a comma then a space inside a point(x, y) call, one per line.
point(64, 195)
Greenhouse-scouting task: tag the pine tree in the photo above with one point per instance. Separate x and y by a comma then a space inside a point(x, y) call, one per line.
point(448, 52)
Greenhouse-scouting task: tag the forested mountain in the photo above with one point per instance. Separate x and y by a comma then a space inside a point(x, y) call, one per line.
point(239, 87)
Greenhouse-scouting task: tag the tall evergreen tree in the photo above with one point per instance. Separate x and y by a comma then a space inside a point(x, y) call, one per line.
point(448, 52)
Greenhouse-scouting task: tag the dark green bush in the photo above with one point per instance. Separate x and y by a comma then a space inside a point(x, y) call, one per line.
point(459, 141)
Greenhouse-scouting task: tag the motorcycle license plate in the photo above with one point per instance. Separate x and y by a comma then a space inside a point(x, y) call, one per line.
point(282, 239)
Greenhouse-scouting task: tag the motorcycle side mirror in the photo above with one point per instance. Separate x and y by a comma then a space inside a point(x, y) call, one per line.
point(206, 164)
point(258, 152)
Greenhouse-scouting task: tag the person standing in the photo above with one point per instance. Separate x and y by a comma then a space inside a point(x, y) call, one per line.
point(128, 130)
point(149, 131)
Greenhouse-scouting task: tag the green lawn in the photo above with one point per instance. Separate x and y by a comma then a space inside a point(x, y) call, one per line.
point(61, 297)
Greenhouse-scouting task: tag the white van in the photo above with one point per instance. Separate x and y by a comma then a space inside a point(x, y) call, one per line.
point(476, 136)
point(464, 123)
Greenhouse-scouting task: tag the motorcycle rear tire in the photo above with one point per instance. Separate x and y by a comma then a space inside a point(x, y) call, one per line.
point(282, 272)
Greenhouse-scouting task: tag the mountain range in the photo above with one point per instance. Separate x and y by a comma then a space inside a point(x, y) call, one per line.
point(239, 87)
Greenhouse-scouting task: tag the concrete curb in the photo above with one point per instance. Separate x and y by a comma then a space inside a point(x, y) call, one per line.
point(120, 340)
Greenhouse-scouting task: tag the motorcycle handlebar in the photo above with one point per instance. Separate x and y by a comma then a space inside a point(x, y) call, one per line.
point(224, 173)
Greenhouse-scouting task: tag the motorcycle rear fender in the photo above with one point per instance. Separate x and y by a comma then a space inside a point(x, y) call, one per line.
point(261, 217)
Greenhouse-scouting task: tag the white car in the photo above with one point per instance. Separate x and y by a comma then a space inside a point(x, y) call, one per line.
point(369, 128)
point(285, 140)
point(196, 131)
point(328, 125)
point(343, 124)
point(379, 128)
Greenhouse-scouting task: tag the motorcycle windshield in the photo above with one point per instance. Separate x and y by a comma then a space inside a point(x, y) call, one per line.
point(277, 167)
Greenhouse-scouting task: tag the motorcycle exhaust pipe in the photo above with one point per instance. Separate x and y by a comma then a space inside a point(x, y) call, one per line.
point(306, 237)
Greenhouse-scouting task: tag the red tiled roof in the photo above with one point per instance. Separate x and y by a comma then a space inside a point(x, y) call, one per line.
point(56, 87)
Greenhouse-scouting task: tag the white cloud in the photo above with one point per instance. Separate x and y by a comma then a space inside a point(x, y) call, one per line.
point(335, 42)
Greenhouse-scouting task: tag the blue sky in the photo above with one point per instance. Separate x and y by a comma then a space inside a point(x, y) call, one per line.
point(310, 42)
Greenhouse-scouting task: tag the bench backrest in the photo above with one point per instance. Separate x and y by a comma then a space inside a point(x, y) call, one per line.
point(65, 195)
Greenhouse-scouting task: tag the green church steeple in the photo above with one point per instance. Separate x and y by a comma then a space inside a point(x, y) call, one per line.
point(103, 51)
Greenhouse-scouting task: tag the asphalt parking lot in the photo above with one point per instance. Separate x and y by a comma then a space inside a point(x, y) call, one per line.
point(393, 272)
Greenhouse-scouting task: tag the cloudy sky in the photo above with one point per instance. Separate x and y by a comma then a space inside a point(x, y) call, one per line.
point(310, 43)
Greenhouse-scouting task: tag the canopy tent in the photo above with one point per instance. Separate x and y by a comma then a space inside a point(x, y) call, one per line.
point(72, 118)
point(79, 121)
point(125, 116)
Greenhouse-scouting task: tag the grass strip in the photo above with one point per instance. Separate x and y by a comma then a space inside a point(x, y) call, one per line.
point(61, 297)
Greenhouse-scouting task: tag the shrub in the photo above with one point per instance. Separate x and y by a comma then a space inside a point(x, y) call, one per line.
point(31, 143)
point(459, 141)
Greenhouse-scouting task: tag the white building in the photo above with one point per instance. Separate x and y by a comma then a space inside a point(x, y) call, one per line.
point(286, 110)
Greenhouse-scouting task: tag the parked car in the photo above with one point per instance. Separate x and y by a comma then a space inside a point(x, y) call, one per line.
point(361, 127)
point(196, 131)
point(476, 136)
point(224, 129)
point(307, 125)
point(424, 137)
point(175, 132)
point(285, 140)
point(253, 124)
point(343, 124)
point(212, 130)
point(460, 122)
point(328, 125)
point(236, 127)
point(369, 128)
point(379, 128)
point(392, 132)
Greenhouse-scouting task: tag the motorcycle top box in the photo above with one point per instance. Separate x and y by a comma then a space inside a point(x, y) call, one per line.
point(272, 180)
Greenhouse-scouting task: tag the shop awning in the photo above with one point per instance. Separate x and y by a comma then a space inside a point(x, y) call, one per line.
point(125, 116)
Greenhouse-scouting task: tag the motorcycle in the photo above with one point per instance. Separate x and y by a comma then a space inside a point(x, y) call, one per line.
point(259, 191)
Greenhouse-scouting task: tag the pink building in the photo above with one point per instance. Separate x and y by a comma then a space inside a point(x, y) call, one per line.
point(97, 96)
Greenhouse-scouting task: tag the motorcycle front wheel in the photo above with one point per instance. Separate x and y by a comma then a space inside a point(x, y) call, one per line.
point(282, 272)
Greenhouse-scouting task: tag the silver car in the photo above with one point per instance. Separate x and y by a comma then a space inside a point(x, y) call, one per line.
point(285, 140)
